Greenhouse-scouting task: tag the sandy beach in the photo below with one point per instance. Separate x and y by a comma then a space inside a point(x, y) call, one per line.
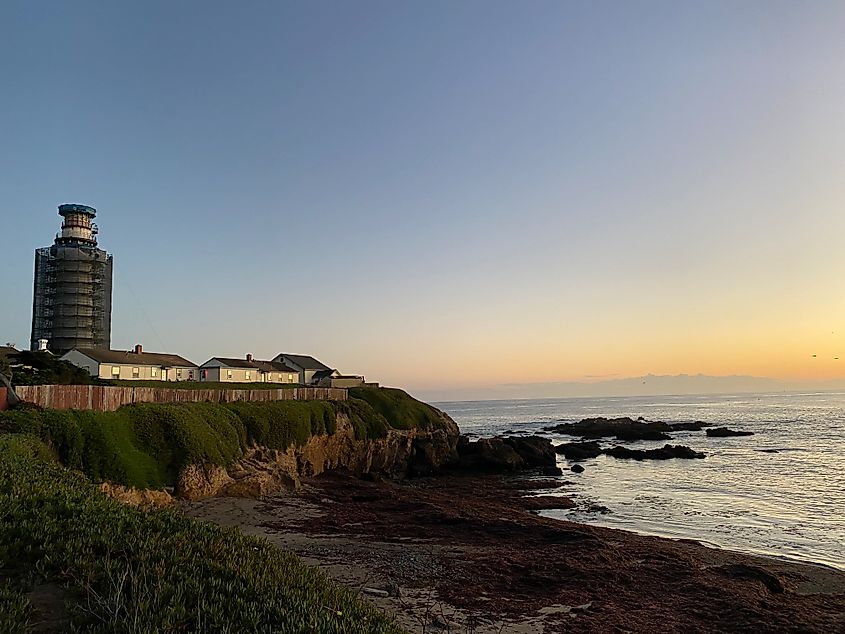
point(470, 554)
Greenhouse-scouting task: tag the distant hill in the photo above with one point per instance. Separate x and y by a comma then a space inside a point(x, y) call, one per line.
point(649, 385)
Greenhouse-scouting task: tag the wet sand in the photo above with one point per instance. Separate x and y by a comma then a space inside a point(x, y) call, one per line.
point(467, 554)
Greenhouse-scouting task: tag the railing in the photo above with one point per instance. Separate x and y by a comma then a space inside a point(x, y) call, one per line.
point(106, 398)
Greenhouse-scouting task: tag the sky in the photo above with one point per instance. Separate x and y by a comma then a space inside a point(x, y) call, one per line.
point(442, 195)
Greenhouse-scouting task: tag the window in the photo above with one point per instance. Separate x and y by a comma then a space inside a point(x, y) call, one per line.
point(115, 370)
point(229, 374)
point(247, 375)
point(290, 378)
point(154, 372)
point(178, 373)
point(136, 372)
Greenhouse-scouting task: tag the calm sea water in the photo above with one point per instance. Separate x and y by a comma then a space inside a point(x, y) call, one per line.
point(787, 504)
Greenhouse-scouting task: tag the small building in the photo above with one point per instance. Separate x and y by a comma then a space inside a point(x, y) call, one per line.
point(246, 370)
point(228, 370)
point(348, 380)
point(333, 378)
point(305, 365)
point(135, 365)
point(277, 372)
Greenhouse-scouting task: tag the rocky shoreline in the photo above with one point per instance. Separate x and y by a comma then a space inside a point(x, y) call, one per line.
point(443, 533)
point(468, 553)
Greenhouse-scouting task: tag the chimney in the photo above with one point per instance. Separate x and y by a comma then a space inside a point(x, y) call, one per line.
point(42, 345)
point(138, 348)
point(249, 358)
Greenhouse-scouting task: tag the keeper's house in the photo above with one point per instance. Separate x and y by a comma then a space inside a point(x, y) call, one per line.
point(135, 365)
point(306, 366)
point(247, 370)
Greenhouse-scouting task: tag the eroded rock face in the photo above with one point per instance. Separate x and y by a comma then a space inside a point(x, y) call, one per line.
point(488, 455)
point(534, 450)
point(506, 455)
point(201, 481)
point(262, 471)
point(432, 452)
point(137, 497)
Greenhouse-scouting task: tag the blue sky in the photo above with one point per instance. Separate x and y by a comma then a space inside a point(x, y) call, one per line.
point(442, 193)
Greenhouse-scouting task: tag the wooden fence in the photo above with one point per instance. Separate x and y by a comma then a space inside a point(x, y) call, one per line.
point(104, 398)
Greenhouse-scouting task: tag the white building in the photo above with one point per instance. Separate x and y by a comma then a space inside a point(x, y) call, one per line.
point(306, 366)
point(277, 372)
point(132, 365)
point(247, 370)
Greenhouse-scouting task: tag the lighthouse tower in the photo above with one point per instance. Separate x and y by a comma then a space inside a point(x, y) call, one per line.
point(71, 305)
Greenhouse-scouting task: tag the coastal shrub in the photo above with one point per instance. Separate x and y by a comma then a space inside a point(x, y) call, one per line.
point(176, 435)
point(280, 424)
point(130, 570)
point(367, 422)
point(144, 445)
point(107, 451)
point(400, 409)
point(42, 368)
point(102, 444)
point(15, 610)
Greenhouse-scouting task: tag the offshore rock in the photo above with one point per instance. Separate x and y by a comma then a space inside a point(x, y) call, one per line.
point(579, 450)
point(724, 432)
point(622, 428)
point(534, 450)
point(506, 455)
point(664, 453)
point(696, 426)
point(488, 455)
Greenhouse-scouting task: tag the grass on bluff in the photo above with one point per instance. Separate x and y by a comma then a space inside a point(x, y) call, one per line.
point(147, 445)
point(399, 409)
point(128, 570)
point(280, 424)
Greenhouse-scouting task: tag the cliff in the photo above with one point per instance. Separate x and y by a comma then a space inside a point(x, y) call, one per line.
point(243, 448)
point(261, 470)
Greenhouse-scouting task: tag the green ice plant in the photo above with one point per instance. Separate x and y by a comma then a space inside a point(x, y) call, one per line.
point(129, 570)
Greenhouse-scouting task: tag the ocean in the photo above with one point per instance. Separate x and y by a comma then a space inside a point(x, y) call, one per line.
point(788, 504)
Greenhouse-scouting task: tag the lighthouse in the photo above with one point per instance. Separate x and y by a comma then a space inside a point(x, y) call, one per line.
point(71, 306)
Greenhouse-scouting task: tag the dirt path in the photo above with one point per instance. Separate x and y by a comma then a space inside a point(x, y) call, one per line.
point(467, 556)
